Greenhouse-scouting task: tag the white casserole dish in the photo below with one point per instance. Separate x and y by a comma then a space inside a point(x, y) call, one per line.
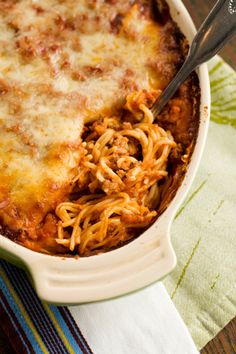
point(143, 261)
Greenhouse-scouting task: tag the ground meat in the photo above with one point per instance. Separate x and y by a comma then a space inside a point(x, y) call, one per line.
point(180, 115)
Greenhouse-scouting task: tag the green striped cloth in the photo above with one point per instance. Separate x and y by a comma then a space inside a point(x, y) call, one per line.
point(203, 286)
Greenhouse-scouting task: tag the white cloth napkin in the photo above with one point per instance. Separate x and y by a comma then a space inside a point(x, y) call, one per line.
point(145, 323)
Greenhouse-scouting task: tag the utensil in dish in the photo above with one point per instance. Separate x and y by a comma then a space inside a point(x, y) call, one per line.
point(214, 33)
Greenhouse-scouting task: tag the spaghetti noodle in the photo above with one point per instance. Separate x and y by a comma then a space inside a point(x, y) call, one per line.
point(124, 160)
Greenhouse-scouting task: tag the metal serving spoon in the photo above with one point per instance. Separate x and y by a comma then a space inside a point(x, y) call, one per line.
point(217, 29)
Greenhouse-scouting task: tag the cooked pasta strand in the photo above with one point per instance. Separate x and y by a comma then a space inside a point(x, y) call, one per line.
point(126, 178)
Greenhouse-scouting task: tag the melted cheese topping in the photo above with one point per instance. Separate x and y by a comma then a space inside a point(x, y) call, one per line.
point(62, 63)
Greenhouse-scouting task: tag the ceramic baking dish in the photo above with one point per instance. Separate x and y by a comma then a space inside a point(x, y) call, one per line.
point(143, 261)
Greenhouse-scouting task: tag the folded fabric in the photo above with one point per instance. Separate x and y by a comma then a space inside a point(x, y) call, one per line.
point(203, 285)
point(31, 326)
point(145, 322)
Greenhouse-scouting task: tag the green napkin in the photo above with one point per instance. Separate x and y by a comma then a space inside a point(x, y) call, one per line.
point(203, 285)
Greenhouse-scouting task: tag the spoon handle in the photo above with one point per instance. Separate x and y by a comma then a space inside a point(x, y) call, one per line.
point(215, 32)
point(217, 29)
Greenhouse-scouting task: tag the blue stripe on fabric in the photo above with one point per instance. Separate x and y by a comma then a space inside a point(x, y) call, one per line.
point(22, 286)
point(40, 314)
point(35, 310)
point(31, 308)
point(14, 325)
point(68, 316)
point(66, 330)
point(20, 317)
